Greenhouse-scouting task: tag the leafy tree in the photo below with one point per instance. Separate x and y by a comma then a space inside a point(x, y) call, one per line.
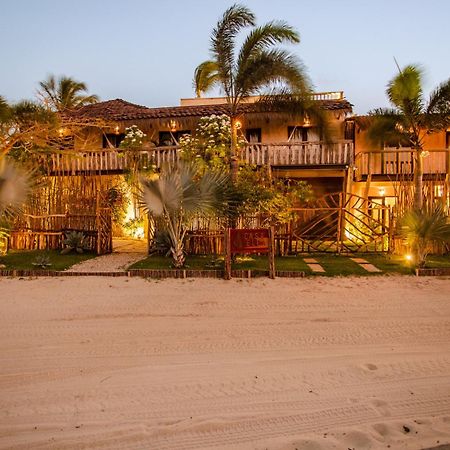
point(422, 227)
point(177, 196)
point(64, 93)
point(255, 193)
point(25, 126)
point(259, 67)
point(411, 118)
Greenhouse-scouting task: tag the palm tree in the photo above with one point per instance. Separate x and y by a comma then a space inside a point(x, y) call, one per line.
point(64, 93)
point(422, 227)
point(411, 118)
point(178, 195)
point(258, 68)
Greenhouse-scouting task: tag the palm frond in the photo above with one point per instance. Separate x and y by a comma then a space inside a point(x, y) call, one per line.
point(269, 68)
point(205, 77)
point(437, 115)
point(263, 37)
point(64, 93)
point(405, 90)
point(386, 126)
point(223, 41)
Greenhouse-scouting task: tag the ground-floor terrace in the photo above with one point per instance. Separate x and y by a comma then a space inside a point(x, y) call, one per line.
point(203, 364)
point(353, 210)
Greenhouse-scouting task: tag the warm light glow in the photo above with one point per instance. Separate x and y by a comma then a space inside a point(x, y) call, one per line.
point(408, 257)
point(306, 121)
point(116, 129)
point(173, 125)
point(381, 192)
point(439, 191)
point(139, 233)
point(238, 124)
point(61, 132)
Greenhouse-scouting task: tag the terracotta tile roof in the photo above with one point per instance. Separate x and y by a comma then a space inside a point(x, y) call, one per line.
point(120, 110)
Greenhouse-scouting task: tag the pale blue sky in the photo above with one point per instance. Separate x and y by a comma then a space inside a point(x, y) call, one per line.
point(146, 51)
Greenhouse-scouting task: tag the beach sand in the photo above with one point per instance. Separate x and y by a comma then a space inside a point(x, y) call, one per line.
point(318, 363)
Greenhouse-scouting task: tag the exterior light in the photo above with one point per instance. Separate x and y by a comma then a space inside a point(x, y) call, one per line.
point(238, 124)
point(116, 129)
point(382, 192)
point(173, 125)
point(61, 132)
point(306, 121)
point(408, 257)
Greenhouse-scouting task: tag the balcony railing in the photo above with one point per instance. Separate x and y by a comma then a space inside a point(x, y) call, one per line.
point(299, 154)
point(283, 154)
point(393, 161)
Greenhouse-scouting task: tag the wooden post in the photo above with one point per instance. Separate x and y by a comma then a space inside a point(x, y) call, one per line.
point(339, 224)
point(272, 252)
point(227, 236)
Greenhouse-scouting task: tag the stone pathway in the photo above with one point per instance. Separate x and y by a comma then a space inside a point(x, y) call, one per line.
point(314, 265)
point(366, 265)
point(125, 252)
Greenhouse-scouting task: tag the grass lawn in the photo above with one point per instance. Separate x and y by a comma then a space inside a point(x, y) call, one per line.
point(24, 259)
point(334, 265)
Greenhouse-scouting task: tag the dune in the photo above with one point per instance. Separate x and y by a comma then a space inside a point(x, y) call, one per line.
point(311, 364)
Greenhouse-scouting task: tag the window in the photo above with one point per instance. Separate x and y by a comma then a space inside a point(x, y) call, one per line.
point(297, 134)
point(171, 137)
point(253, 135)
point(349, 130)
point(111, 140)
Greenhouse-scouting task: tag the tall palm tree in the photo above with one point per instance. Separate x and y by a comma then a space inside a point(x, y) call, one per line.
point(411, 118)
point(259, 67)
point(178, 195)
point(64, 93)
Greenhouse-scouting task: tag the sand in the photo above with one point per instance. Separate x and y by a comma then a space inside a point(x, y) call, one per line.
point(118, 363)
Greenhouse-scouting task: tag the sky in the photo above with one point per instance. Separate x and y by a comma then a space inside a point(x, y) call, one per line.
point(146, 52)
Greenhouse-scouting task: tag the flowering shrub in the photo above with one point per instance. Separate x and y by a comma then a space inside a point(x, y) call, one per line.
point(210, 148)
point(134, 137)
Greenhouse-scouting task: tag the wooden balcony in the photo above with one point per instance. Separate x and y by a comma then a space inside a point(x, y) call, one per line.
point(299, 154)
point(393, 162)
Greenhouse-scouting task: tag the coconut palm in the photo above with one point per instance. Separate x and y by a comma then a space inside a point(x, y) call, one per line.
point(411, 118)
point(422, 227)
point(178, 195)
point(259, 67)
point(64, 93)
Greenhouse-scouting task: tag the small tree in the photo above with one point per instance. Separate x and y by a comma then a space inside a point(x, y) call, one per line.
point(177, 196)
